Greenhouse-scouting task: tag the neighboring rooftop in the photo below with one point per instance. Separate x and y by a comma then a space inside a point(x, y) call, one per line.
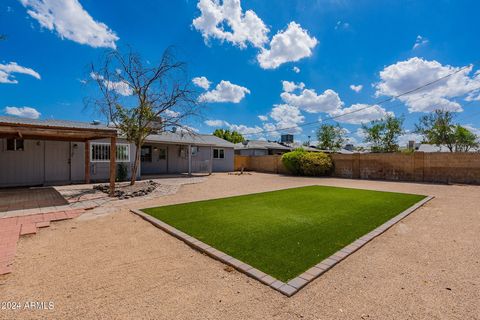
point(261, 144)
point(433, 148)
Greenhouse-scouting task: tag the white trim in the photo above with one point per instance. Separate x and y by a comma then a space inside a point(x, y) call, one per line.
point(106, 144)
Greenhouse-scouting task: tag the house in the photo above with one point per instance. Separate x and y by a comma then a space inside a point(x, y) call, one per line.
point(52, 152)
point(260, 148)
point(424, 147)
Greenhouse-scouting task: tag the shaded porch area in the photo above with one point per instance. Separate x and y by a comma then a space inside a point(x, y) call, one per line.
point(30, 198)
point(40, 152)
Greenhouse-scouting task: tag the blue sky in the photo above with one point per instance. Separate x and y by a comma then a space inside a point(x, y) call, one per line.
point(380, 48)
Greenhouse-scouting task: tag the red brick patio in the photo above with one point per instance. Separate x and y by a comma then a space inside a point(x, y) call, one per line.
point(13, 227)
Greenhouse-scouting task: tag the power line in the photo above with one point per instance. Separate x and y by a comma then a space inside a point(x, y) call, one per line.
point(369, 106)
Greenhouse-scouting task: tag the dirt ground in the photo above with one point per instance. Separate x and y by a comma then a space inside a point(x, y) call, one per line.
point(117, 266)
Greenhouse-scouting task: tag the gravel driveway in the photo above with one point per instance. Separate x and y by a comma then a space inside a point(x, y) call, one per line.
point(117, 266)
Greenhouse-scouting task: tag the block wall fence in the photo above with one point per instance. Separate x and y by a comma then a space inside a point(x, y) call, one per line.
point(437, 167)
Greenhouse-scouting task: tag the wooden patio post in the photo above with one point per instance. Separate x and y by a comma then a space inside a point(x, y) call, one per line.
point(113, 171)
point(87, 162)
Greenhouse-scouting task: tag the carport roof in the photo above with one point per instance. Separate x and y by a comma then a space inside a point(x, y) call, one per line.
point(53, 129)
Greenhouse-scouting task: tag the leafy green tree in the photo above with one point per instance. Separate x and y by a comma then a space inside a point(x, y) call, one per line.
point(330, 137)
point(232, 136)
point(464, 139)
point(383, 134)
point(437, 128)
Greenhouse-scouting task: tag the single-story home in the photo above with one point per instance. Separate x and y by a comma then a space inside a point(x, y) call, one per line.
point(424, 147)
point(50, 152)
point(260, 148)
point(264, 148)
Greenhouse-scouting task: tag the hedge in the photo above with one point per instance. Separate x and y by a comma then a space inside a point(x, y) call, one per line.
point(301, 162)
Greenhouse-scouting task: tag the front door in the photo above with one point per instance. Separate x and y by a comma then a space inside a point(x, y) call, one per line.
point(57, 162)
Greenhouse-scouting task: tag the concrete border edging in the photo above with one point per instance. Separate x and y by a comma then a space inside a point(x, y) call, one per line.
point(297, 283)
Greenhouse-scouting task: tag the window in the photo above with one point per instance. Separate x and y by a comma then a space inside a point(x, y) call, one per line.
point(100, 152)
point(146, 154)
point(14, 144)
point(162, 154)
point(218, 154)
point(194, 151)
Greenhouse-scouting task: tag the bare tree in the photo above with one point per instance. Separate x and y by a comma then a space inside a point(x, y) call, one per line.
point(141, 99)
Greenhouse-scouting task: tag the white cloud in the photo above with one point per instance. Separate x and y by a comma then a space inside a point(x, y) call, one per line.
point(188, 129)
point(225, 91)
point(419, 42)
point(7, 70)
point(201, 82)
point(121, 87)
point(243, 129)
point(263, 117)
point(287, 116)
point(226, 21)
point(296, 69)
point(24, 112)
point(71, 21)
point(216, 123)
point(288, 45)
point(342, 25)
point(289, 86)
point(415, 72)
point(312, 102)
point(360, 113)
point(409, 136)
point(171, 114)
point(356, 88)
point(473, 129)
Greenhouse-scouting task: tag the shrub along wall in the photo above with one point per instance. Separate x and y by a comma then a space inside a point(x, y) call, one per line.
point(439, 167)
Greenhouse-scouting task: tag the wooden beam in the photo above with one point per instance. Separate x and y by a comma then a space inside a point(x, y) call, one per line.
point(67, 134)
point(113, 171)
point(87, 162)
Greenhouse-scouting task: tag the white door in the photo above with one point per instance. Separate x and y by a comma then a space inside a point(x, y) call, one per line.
point(57, 162)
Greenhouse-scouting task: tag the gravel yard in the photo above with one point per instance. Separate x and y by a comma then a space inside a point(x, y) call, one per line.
point(116, 266)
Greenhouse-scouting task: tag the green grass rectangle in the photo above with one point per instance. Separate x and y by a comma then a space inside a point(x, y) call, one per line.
point(285, 232)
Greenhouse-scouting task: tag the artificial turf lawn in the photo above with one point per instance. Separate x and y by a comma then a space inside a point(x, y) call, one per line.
point(284, 233)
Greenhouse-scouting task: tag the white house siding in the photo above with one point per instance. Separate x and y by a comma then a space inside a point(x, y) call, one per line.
point(49, 163)
point(20, 168)
point(177, 161)
point(226, 164)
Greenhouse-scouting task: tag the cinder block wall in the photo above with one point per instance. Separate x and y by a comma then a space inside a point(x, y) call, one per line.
point(420, 167)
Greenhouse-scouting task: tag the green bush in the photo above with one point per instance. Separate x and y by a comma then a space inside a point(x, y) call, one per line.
point(300, 162)
point(291, 161)
point(316, 164)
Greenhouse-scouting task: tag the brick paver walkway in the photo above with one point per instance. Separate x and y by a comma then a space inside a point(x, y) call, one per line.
point(13, 227)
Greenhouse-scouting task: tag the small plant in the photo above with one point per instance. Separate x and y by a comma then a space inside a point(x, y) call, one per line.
point(291, 161)
point(316, 164)
point(122, 172)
